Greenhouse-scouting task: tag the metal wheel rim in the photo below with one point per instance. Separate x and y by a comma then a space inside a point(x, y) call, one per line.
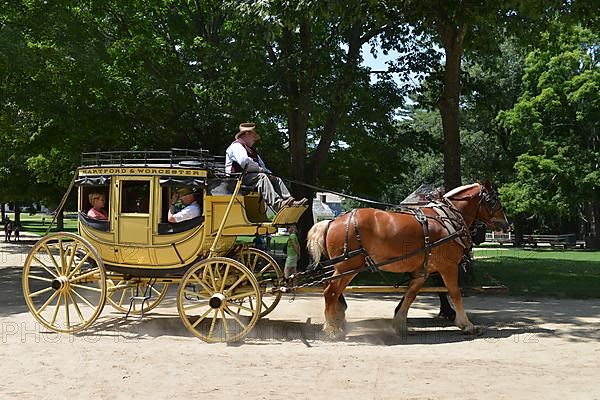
point(219, 300)
point(64, 282)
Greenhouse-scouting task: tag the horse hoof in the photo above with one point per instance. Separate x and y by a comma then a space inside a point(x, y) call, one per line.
point(447, 315)
point(401, 328)
point(333, 334)
point(474, 330)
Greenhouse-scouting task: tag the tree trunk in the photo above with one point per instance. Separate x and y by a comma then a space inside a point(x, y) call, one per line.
point(60, 221)
point(17, 213)
point(452, 38)
point(593, 240)
point(3, 209)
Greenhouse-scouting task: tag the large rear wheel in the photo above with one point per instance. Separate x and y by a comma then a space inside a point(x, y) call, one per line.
point(219, 300)
point(64, 282)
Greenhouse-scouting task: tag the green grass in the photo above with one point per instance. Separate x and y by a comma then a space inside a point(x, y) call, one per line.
point(33, 223)
point(277, 241)
point(525, 272)
point(536, 273)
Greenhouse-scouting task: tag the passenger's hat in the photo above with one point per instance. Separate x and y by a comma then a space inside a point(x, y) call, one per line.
point(184, 191)
point(246, 127)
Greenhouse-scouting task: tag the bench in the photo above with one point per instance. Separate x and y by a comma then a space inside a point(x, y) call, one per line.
point(564, 240)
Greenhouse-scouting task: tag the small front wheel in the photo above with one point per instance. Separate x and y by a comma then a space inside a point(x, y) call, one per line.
point(267, 273)
point(219, 300)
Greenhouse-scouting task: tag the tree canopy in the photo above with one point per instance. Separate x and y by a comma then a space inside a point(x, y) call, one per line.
point(506, 90)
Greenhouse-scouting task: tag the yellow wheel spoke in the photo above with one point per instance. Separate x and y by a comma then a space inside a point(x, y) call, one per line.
point(232, 314)
point(241, 295)
point(52, 258)
point(122, 298)
point(83, 299)
point(241, 307)
point(76, 306)
point(225, 326)
point(87, 288)
point(72, 258)
point(240, 280)
point(212, 277)
point(156, 291)
point(56, 309)
point(254, 263)
point(224, 278)
point(68, 317)
point(83, 276)
point(78, 266)
point(204, 303)
point(46, 290)
point(39, 278)
point(201, 318)
point(212, 324)
point(43, 307)
point(210, 291)
point(44, 266)
point(196, 294)
point(63, 261)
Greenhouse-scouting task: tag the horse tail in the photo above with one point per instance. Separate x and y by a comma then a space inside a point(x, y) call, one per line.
point(316, 240)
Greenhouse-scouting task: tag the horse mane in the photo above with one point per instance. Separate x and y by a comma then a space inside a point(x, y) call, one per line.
point(460, 189)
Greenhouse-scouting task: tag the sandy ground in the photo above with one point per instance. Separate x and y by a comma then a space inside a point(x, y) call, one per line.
point(532, 349)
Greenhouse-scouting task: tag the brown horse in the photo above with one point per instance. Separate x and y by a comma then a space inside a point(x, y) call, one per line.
point(428, 239)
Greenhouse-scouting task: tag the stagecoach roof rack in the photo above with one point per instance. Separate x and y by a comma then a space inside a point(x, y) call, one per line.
point(422, 195)
point(186, 158)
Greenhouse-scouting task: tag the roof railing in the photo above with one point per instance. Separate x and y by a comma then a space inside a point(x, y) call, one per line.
point(175, 157)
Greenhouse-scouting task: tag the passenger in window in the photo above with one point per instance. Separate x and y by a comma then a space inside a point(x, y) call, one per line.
point(191, 210)
point(97, 200)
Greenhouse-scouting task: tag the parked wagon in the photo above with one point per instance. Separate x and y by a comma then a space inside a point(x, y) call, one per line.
point(130, 259)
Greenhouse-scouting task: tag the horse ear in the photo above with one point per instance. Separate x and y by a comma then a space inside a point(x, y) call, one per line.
point(487, 184)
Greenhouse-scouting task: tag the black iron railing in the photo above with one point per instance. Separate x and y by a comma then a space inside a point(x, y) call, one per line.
point(188, 158)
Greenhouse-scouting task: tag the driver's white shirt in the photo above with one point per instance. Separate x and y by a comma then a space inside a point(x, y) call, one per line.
point(236, 152)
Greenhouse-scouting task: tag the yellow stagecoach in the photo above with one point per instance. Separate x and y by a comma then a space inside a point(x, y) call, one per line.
point(131, 258)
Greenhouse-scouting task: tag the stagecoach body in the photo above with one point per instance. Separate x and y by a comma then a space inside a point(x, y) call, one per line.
point(132, 257)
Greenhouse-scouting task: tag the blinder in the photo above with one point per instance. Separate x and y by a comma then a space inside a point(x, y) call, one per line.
point(490, 198)
point(477, 232)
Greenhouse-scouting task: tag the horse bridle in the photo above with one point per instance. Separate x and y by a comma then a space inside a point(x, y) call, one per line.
point(488, 197)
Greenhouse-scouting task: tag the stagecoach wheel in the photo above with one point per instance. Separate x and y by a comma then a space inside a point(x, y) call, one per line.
point(64, 282)
point(219, 300)
point(121, 291)
point(267, 272)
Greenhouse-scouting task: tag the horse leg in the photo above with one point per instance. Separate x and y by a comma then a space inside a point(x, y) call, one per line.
point(335, 315)
point(340, 316)
point(401, 315)
point(450, 277)
point(446, 310)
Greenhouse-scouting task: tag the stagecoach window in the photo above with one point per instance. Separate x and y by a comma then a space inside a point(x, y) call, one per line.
point(135, 197)
point(86, 191)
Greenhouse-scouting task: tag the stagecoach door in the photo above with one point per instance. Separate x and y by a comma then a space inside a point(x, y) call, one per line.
point(134, 224)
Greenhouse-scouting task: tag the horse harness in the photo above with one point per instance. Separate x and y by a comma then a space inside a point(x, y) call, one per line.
point(447, 215)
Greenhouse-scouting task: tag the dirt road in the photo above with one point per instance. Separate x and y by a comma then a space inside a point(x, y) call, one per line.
point(532, 349)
